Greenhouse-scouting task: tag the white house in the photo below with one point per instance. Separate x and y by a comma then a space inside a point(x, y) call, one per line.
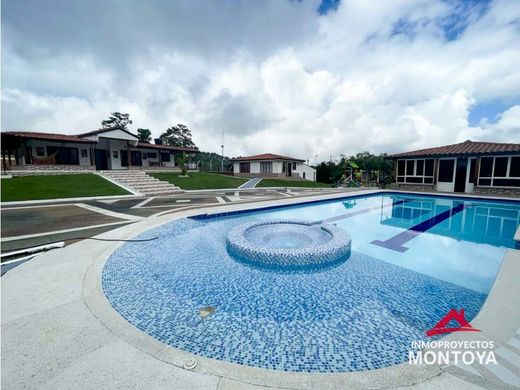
point(111, 148)
point(272, 165)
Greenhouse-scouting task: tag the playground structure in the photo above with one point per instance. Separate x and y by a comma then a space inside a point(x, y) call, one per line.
point(357, 177)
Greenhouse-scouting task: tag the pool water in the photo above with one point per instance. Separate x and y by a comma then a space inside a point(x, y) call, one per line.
point(413, 259)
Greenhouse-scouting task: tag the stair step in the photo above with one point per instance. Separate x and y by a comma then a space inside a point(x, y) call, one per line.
point(155, 193)
point(139, 188)
point(141, 182)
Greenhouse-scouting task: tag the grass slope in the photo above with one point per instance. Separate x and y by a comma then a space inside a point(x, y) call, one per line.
point(200, 181)
point(57, 186)
point(291, 183)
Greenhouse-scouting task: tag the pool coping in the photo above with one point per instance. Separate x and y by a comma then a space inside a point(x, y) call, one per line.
point(400, 375)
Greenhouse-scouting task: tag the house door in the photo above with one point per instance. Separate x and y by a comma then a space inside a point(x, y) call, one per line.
point(289, 169)
point(135, 158)
point(124, 158)
point(101, 159)
point(460, 174)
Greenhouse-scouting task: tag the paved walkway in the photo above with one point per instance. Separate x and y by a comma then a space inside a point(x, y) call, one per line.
point(251, 183)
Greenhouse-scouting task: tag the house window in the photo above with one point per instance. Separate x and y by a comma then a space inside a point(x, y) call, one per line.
point(486, 166)
point(115, 153)
point(294, 166)
point(84, 153)
point(266, 167)
point(500, 171)
point(63, 155)
point(410, 168)
point(514, 171)
point(400, 168)
point(446, 171)
point(415, 171)
point(304, 175)
point(40, 151)
point(165, 157)
point(428, 167)
point(144, 156)
point(245, 167)
point(151, 155)
point(419, 168)
point(500, 167)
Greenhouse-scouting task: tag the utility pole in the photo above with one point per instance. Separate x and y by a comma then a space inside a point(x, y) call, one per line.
point(222, 159)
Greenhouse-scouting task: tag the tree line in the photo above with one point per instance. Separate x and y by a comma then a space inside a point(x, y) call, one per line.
point(370, 164)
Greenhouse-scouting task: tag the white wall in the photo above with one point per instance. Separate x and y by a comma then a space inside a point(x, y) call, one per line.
point(115, 145)
point(37, 143)
point(310, 173)
point(114, 134)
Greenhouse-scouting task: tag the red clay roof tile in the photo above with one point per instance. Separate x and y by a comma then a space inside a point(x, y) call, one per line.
point(266, 156)
point(465, 148)
point(48, 136)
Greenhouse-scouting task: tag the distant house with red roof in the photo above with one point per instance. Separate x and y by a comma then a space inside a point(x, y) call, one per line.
point(480, 167)
point(272, 165)
point(108, 148)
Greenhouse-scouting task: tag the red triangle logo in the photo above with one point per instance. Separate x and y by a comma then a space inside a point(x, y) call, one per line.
point(453, 315)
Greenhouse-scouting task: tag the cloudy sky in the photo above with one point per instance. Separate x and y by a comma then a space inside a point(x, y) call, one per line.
point(284, 76)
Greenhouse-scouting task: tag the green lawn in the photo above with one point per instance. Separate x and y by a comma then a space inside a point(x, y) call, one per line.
point(291, 183)
point(57, 186)
point(200, 181)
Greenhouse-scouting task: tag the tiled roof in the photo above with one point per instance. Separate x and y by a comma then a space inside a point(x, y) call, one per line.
point(47, 136)
point(266, 156)
point(166, 147)
point(464, 148)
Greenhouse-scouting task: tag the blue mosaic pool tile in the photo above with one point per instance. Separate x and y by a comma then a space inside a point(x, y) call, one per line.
point(361, 315)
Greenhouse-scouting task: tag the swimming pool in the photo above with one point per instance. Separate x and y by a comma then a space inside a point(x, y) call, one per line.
point(413, 258)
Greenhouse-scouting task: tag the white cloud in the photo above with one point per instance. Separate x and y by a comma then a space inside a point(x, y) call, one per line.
point(377, 76)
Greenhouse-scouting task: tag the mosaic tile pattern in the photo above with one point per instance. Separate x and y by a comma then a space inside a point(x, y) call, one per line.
point(360, 315)
point(288, 244)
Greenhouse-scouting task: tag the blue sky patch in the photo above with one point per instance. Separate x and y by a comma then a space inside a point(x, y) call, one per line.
point(328, 5)
point(488, 111)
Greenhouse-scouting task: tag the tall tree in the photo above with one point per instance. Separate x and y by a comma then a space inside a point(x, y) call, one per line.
point(145, 135)
point(117, 119)
point(179, 135)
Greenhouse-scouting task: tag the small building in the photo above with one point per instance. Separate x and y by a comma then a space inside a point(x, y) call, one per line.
point(467, 167)
point(103, 149)
point(272, 165)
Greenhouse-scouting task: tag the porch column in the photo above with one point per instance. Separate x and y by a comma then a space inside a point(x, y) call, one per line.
point(128, 154)
point(4, 165)
point(93, 155)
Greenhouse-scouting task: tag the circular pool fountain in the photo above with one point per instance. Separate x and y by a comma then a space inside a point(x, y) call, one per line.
point(288, 243)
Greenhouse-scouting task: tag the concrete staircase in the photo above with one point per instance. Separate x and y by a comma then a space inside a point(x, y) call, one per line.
point(139, 183)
